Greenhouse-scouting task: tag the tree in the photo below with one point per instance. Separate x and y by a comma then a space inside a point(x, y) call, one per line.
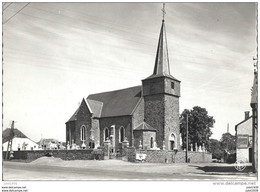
point(216, 149)
point(228, 143)
point(199, 126)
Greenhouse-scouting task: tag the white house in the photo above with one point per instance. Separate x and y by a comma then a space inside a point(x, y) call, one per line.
point(22, 144)
point(244, 139)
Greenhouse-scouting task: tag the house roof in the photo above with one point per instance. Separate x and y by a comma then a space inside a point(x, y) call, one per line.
point(242, 122)
point(144, 127)
point(115, 103)
point(6, 134)
point(48, 140)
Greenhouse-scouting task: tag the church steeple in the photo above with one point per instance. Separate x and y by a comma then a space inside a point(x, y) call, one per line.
point(161, 93)
point(161, 67)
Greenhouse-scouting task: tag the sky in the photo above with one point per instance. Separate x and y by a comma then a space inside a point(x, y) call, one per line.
point(56, 54)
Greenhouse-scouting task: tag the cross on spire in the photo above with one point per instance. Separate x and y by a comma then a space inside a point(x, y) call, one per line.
point(163, 11)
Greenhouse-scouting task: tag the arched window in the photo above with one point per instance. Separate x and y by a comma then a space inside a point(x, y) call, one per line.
point(106, 134)
point(151, 144)
point(83, 133)
point(172, 140)
point(121, 134)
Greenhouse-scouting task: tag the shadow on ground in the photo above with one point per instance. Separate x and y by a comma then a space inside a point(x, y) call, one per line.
point(222, 169)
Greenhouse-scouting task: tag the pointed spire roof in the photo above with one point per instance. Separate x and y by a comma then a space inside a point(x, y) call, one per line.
point(161, 66)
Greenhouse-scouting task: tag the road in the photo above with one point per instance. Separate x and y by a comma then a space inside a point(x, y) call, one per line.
point(116, 169)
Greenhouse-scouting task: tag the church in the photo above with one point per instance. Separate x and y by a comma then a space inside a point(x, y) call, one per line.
point(146, 116)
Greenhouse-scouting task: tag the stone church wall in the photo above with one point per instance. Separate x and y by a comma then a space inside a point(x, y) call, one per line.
point(138, 136)
point(172, 124)
point(147, 135)
point(145, 138)
point(137, 119)
point(176, 90)
point(138, 116)
point(95, 127)
point(122, 121)
point(154, 116)
point(70, 126)
point(83, 118)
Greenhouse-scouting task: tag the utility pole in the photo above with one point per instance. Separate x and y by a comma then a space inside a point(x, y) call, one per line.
point(10, 142)
point(187, 133)
point(228, 139)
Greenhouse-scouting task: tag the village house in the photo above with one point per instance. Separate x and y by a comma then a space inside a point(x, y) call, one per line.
point(244, 139)
point(50, 144)
point(20, 142)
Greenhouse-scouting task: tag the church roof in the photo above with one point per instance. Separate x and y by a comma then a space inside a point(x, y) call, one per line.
point(161, 75)
point(96, 107)
point(115, 103)
point(161, 66)
point(74, 116)
point(144, 127)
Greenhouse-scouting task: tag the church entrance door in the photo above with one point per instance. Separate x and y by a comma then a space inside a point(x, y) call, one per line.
point(172, 145)
point(172, 142)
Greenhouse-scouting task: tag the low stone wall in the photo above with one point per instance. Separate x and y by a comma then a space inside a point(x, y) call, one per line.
point(87, 154)
point(128, 154)
point(199, 157)
point(164, 156)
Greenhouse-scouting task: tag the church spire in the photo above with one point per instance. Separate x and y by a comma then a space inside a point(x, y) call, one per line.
point(161, 67)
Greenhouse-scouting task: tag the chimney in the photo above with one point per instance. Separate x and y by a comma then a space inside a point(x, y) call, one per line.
point(247, 114)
